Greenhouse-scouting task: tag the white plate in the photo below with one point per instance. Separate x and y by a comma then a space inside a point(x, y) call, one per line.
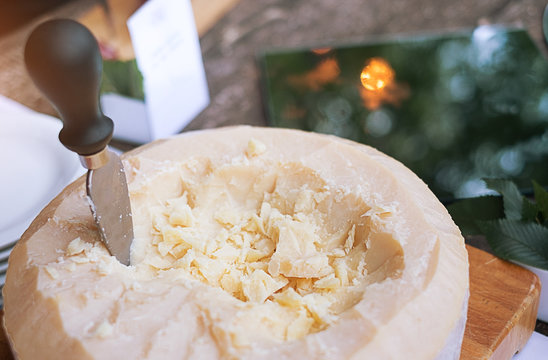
point(34, 167)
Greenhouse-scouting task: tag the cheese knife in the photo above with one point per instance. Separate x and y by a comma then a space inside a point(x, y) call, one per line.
point(63, 60)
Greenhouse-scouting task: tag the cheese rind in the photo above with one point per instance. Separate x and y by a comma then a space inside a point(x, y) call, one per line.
point(249, 243)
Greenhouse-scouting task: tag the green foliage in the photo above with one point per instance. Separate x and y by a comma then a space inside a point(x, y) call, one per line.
point(512, 198)
point(123, 78)
point(467, 213)
point(519, 241)
point(541, 197)
point(515, 226)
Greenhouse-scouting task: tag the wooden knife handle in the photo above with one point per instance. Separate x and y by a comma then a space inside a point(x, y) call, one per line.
point(64, 61)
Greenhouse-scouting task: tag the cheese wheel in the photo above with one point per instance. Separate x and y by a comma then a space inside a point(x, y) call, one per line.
point(250, 243)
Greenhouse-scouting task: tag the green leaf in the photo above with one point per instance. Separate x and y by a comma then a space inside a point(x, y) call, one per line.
point(466, 212)
point(512, 198)
point(530, 211)
point(541, 198)
point(518, 241)
point(123, 78)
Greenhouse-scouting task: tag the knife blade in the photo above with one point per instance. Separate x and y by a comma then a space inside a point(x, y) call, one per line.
point(63, 60)
point(108, 198)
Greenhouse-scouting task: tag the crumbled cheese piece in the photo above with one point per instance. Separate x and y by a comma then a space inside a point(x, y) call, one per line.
point(349, 243)
point(289, 298)
point(231, 282)
point(52, 272)
point(210, 269)
point(328, 282)
point(341, 271)
point(104, 330)
point(259, 286)
point(255, 148)
point(318, 306)
point(80, 260)
point(180, 213)
point(296, 254)
point(300, 326)
point(182, 216)
point(78, 246)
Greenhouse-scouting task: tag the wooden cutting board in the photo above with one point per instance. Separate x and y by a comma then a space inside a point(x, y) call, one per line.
point(501, 312)
point(502, 308)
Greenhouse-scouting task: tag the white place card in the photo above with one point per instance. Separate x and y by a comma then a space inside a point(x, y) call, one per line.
point(167, 50)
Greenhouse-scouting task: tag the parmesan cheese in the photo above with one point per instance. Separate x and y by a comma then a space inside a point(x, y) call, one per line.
point(250, 243)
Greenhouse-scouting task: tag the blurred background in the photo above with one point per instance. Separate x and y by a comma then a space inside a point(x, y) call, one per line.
point(454, 107)
point(462, 104)
point(15, 14)
point(464, 83)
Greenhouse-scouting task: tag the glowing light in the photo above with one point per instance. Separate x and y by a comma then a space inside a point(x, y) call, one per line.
point(379, 85)
point(327, 71)
point(376, 74)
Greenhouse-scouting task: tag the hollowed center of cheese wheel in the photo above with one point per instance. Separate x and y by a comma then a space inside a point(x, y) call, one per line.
point(274, 235)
